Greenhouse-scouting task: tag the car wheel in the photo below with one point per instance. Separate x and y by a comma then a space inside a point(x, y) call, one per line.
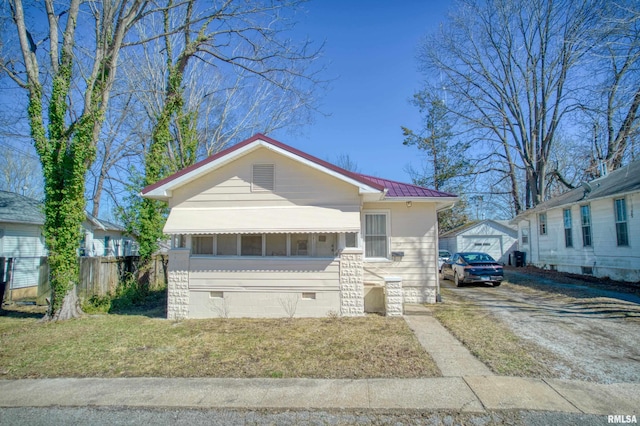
point(497, 284)
point(456, 279)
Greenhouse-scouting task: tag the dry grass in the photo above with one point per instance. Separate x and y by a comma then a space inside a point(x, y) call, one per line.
point(491, 341)
point(139, 346)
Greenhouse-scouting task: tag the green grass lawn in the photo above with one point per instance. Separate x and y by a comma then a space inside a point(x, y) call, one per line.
point(138, 345)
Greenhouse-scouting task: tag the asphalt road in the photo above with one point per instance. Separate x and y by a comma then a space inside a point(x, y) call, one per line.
point(594, 331)
point(115, 416)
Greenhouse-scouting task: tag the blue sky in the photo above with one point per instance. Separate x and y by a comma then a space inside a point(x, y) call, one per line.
point(371, 48)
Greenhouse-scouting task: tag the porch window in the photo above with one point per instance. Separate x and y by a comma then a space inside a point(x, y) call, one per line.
point(622, 233)
point(107, 241)
point(585, 219)
point(525, 236)
point(227, 244)
point(251, 245)
point(275, 245)
point(542, 221)
point(351, 239)
point(568, 236)
point(375, 235)
point(300, 245)
point(202, 244)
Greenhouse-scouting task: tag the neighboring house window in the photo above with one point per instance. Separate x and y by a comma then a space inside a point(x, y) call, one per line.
point(542, 221)
point(251, 245)
point(525, 236)
point(263, 177)
point(585, 220)
point(227, 244)
point(622, 233)
point(375, 235)
point(202, 244)
point(568, 236)
point(107, 239)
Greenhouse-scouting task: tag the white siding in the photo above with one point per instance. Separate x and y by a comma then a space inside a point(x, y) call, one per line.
point(26, 244)
point(604, 256)
point(484, 238)
point(265, 274)
point(296, 184)
point(413, 231)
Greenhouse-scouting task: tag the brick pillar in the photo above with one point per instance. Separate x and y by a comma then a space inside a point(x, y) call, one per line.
point(393, 296)
point(178, 285)
point(351, 285)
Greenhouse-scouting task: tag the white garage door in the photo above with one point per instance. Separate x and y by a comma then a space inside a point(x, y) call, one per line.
point(486, 244)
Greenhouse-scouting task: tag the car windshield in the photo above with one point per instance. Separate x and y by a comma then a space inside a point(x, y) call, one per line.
point(476, 257)
point(444, 253)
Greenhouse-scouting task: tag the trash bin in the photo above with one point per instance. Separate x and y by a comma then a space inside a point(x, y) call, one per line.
point(520, 258)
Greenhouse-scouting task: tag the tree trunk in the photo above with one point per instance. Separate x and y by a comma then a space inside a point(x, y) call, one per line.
point(70, 308)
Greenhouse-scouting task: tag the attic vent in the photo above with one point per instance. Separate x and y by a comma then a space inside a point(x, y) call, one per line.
point(263, 177)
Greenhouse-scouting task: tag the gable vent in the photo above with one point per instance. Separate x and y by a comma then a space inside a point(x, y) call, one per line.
point(263, 177)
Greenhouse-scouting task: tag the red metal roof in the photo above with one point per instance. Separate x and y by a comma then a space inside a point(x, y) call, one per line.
point(399, 189)
point(394, 189)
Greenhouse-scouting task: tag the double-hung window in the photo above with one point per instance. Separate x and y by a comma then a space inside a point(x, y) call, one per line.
point(622, 233)
point(568, 231)
point(376, 235)
point(585, 220)
point(542, 221)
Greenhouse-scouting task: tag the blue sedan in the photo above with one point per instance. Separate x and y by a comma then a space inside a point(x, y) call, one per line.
point(472, 267)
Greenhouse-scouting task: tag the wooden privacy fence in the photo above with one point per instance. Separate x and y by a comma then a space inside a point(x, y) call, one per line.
point(99, 276)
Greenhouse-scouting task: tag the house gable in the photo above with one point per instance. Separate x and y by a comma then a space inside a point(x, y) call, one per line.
point(295, 184)
point(163, 189)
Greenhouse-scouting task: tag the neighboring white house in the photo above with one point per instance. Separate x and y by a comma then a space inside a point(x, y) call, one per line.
point(21, 238)
point(496, 238)
point(591, 230)
point(265, 230)
point(104, 238)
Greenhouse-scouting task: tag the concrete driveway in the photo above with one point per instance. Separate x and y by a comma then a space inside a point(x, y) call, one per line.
point(593, 330)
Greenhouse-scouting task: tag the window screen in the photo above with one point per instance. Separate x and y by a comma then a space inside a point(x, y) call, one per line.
point(375, 235)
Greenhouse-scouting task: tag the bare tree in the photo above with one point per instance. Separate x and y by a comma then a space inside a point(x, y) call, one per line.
point(20, 173)
point(508, 70)
point(255, 79)
point(613, 103)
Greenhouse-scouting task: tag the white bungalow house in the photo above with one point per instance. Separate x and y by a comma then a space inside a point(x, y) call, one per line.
point(591, 230)
point(496, 238)
point(265, 230)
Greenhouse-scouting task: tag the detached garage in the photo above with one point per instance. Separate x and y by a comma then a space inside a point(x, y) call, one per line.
point(496, 238)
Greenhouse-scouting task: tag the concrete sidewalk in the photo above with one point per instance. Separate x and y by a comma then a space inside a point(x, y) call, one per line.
point(472, 394)
point(467, 386)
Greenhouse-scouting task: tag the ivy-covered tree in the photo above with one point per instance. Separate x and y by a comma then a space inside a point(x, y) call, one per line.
point(65, 136)
point(245, 39)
